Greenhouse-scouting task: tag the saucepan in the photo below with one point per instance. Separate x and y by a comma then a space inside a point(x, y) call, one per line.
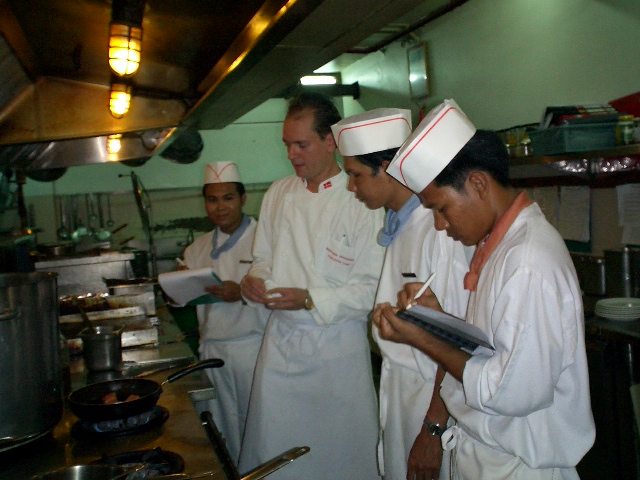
point(122, 398)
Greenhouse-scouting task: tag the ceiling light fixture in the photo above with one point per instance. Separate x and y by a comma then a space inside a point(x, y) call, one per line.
point(125, 36)
point(319, 80)
point(119, 98)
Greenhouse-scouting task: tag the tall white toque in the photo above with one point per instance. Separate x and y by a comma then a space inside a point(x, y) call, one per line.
point(432, 145)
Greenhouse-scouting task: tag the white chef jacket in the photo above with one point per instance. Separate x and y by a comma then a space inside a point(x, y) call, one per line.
point(230, 331)
point(408, 375)
point(313, 383)
point(525, 411)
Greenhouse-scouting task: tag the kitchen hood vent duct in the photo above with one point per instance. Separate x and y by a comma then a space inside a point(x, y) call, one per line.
point(186, 148)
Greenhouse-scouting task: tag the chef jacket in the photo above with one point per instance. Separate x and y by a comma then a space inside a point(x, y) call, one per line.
point(313, 383)
point(230, 331)
point(525, 411)
point(408, 375)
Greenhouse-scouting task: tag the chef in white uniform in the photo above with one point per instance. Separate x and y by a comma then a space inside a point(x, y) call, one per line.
point(229, 329)
point(316, 268)
point(522, 411)
point(415, 249)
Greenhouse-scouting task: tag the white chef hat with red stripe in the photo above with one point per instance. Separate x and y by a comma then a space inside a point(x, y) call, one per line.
point(221, 172)
point(372, 131)
point(432, 145)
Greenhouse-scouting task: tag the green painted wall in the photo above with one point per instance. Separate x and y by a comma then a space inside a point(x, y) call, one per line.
point(505, 61)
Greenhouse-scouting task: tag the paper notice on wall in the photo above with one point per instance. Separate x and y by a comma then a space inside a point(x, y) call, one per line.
point(574, 213)
point(547, 199)
point(629, 212)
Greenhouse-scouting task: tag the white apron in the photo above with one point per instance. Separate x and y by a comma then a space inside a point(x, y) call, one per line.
point(314, 388)
point(232, 384)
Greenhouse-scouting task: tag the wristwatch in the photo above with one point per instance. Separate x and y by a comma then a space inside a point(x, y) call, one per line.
point(433, 428)
point(308, 303)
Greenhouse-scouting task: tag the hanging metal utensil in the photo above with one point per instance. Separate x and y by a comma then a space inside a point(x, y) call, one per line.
point(110, 222)
point(102, 234)
point(79, 229)
point(63, 231)
point(90, 216)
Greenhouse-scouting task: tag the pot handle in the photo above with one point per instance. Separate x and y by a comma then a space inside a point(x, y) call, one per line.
point(211, 363)
point(275, 464)
point(9, 314)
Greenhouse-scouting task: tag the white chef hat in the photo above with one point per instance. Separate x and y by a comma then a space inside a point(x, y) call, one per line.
point(221, 172)
point(432, 145)
point(372, 131)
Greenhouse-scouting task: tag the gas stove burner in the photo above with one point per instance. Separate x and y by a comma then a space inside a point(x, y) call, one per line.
point(113, 428)
point(156, 462)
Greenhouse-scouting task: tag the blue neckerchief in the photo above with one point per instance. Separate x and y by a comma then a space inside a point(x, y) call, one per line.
point(231, 241)
point(394, 221)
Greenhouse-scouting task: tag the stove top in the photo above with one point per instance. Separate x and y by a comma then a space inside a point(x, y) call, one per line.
point(142, 422)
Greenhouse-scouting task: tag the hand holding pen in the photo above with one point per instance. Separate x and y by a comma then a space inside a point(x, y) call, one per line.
point(420, 292)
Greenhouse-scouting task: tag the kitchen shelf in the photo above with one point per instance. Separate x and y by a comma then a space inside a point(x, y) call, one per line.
point(538, 171)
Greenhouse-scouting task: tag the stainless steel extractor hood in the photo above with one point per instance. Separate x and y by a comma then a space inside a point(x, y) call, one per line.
point(204, 64)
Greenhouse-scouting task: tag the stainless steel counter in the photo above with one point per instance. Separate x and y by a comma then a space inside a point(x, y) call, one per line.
point(182, 433)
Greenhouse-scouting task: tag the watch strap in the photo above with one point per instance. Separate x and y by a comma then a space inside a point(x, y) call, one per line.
point(308, 302)
point(434, 429)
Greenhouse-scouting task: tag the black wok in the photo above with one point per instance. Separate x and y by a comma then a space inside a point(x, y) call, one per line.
point(87, 402)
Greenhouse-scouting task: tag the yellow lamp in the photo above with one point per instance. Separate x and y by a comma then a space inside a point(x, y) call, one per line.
point(124, 49)
point(119, 99)
point(125, 36)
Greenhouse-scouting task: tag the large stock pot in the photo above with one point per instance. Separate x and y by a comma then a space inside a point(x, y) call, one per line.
point(31, 398)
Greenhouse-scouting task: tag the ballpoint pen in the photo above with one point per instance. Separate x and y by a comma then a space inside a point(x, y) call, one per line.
point(423, 289)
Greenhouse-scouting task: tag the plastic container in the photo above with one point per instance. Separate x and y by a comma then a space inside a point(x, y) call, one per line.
point(573, 138)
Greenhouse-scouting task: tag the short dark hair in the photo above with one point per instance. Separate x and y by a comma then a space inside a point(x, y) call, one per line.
point(485, 152)
point(374, 160)
point(239, 188)
point(324, 111)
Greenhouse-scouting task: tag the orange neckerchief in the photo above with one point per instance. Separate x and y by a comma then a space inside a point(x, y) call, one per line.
point(486, 247)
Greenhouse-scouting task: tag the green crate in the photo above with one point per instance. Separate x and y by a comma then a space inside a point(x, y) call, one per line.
point(573, 138)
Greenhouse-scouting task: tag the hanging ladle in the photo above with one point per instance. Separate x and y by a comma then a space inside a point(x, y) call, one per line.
point(63, 231)
point(110, 221)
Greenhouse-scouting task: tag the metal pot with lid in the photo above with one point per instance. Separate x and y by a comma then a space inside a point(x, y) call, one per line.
point(31, 397)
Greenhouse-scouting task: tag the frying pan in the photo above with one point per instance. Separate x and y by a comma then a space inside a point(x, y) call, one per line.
point(87, 402)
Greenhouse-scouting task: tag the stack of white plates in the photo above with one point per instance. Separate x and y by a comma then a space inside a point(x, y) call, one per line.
point(625, 309)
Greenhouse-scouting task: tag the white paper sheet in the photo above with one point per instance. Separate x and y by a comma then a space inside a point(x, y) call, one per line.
point(629, 212)
point(629, 204)
point(548, 200)
point(182, 286)
point(574, 213)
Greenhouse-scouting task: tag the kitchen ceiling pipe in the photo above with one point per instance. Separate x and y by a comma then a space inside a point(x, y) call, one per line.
point(437, 13)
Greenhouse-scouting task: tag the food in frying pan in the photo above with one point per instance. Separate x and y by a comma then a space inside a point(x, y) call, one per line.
point(111, 398)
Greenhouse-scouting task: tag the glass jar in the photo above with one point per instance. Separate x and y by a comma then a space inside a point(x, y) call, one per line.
point(624, 130)
point(636, 130)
